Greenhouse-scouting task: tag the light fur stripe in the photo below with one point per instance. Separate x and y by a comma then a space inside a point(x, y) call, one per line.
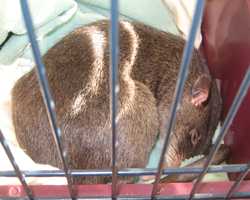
point(97, 39)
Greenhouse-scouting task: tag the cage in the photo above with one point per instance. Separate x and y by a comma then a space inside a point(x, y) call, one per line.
point(238, 189)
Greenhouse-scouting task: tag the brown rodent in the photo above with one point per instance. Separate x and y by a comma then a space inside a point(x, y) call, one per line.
point(78, 73)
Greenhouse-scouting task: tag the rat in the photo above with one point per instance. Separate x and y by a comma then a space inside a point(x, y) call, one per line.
point(77, 68)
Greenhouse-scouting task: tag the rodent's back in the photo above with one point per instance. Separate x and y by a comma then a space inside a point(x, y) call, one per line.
point(78, 73)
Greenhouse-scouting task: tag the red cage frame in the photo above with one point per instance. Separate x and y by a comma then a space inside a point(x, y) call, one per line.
point(170, 189)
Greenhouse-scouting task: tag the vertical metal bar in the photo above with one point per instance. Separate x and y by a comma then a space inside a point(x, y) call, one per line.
point(47, 98)
point(230, 116)
point(19, 174)
point(180, 86)
point(114, 86)
point(238, 181)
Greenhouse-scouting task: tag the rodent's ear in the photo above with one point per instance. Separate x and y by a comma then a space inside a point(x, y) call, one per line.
point(200, 90)
point(195, 136)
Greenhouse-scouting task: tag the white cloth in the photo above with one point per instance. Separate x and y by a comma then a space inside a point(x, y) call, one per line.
point(3, 35)
point(150, 12)
point(182, 12)
point(11, 19)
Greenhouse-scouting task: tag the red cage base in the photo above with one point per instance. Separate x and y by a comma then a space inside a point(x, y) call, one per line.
point(170, 189)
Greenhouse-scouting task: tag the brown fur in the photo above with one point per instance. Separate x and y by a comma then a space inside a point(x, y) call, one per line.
point(81, 93)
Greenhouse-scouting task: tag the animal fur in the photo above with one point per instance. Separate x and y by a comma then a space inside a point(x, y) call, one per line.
point(78, 73)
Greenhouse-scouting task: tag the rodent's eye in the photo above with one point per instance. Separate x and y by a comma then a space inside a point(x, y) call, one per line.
point(195, 136)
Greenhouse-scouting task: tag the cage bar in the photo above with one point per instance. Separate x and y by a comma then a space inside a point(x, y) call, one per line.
point(129, 171)
point(229, 118)
point(45, 90)
point(238, 181)
point(180, 85)
point(114, 85)
point(18, 172)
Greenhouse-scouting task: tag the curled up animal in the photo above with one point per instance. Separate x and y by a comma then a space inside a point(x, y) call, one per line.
point(78, 73)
